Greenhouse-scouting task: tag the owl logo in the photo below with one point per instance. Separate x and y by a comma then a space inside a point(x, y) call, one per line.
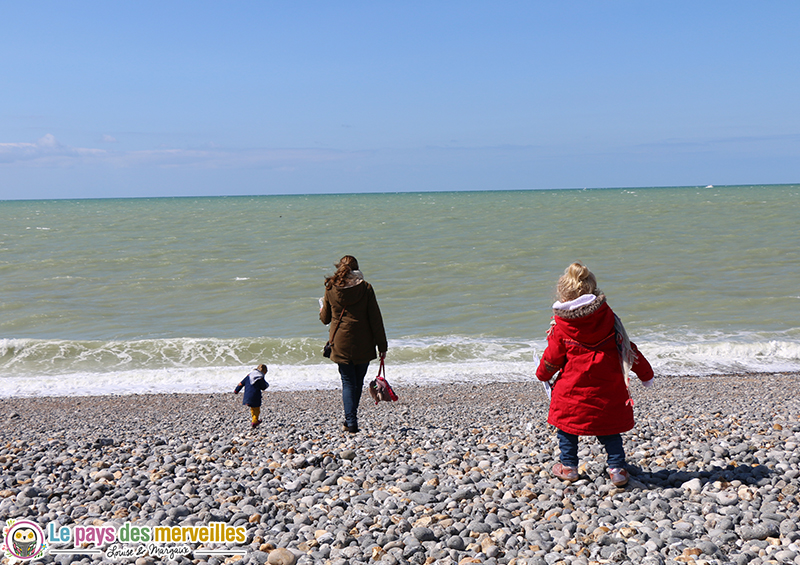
point(23, 540)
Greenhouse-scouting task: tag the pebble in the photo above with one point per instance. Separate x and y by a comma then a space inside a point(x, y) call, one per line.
point(281, 556)
point(449, 474)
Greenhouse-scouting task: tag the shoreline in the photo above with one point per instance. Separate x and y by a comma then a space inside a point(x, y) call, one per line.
point(336, 386)
point(447, 474)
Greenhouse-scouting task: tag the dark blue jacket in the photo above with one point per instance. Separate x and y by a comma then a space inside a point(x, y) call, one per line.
point(253, 384)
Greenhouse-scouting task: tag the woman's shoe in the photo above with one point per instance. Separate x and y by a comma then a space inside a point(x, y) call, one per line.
point(565, 473)
point(618, 476)
point(351, 429)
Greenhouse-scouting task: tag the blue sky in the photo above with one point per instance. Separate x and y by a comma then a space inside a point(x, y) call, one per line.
point(108, 99)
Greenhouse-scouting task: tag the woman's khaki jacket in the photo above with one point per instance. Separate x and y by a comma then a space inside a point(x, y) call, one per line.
point(361, 328)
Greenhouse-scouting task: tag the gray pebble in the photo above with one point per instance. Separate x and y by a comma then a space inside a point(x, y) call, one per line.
point(419, 481)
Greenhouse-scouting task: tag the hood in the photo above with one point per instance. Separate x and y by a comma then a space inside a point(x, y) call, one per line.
point(354, 278)
point(354, 290)
point(587, 319)
point(254, 375)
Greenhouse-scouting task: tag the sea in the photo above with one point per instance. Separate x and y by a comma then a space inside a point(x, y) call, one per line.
point(186, 295)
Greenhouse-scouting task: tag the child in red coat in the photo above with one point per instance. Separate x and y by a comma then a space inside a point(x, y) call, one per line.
point(589, 346)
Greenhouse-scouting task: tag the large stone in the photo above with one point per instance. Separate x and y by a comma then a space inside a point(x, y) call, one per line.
point(281, 556)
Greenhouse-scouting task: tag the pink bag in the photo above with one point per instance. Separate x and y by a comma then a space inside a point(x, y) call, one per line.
point(380, 389)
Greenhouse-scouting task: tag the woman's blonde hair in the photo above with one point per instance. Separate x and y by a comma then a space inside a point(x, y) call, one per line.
point(344, 267)
point(576, 281)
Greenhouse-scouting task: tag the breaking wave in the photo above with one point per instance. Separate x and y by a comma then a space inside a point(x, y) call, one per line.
point(31, 367)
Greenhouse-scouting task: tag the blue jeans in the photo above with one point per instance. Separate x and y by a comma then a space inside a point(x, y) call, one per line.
point(352, 384)
point(569, 449)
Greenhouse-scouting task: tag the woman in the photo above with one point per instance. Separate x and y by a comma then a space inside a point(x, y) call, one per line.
point(356, 328)
point(588, 344)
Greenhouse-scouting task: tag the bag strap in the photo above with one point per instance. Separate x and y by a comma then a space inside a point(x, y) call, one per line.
point(381, 370)
point(338, 322)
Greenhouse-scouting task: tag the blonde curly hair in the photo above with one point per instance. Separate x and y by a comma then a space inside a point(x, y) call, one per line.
point(576, 281)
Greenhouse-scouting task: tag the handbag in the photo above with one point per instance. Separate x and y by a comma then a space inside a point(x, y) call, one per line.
point(379, 387)
point(328, 349)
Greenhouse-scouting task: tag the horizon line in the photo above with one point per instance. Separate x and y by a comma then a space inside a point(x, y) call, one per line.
point(368, 193)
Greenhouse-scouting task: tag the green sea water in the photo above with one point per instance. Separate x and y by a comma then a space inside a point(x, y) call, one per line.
point(183, 294)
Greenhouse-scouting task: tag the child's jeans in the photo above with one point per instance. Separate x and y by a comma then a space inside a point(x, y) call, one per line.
point(569, 449)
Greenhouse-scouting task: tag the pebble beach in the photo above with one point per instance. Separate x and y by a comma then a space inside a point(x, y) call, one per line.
point(448, 474)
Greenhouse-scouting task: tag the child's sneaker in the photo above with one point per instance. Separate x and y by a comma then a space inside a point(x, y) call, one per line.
point(618, 476)
point(565, 473)
point(255, 424)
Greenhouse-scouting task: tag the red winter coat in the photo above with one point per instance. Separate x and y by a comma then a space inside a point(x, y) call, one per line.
point(590, 396)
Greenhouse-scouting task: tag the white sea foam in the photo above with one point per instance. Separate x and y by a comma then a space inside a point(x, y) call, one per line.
point(280, 377)
point(723, 356)
point(297, 365)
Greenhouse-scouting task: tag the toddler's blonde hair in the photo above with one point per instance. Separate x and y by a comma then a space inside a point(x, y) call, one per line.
point(576, 281)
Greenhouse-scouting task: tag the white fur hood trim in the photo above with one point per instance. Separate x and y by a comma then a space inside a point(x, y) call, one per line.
point(571, 305)
point(354, 278)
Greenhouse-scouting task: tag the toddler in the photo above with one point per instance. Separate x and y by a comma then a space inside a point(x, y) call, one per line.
point(253, 384)
point(587, 343)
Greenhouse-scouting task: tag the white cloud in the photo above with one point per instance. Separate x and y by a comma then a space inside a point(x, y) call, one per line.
point(109, 138)
point(45, 151)
point(48, 140)
point(48, 152)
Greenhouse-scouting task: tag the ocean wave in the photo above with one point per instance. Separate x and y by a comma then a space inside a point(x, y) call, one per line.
point(53, 357)
point(723, 356)
point(60, 367)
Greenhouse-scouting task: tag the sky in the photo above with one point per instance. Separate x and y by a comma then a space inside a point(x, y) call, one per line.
point(195, 98)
